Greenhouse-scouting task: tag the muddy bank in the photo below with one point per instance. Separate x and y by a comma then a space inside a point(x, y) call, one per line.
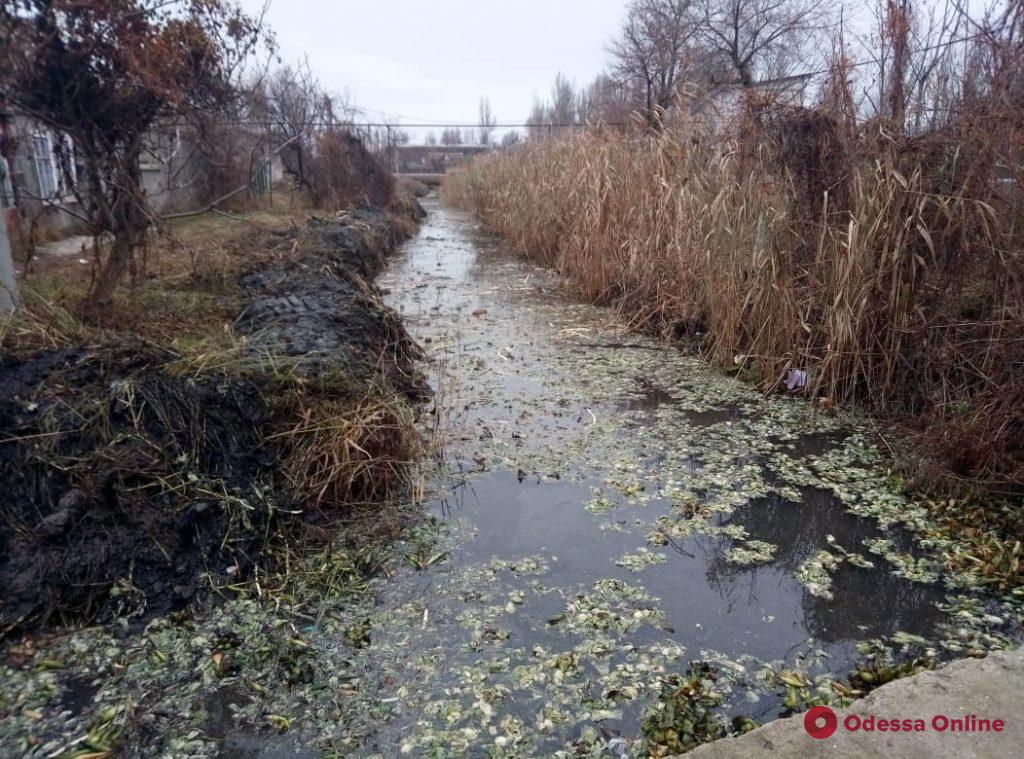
point(121, 481)
point(135, 477)
point(323, 307)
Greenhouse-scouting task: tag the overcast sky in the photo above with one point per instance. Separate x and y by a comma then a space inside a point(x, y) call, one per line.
point(432, 60)
point(417, 61)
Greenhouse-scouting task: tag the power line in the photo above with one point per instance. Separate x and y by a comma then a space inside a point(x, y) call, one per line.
point(474, 125)
point(867, 62)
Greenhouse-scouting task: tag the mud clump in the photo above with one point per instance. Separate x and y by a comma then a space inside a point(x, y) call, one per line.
point(321, 304)
point(132, 483)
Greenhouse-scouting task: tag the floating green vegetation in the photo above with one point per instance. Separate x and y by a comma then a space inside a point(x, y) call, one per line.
point(918, 569)
point(854, 559)
point(611, 605)
point(599, 503)
point(751, 552)
point(815, 573)
point(686, 713)
point(881, 663)
point(640, 560)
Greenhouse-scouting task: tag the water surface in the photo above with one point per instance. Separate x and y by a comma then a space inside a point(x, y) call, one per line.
point(612, 510)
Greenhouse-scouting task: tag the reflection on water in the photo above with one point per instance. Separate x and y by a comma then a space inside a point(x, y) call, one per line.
point(509, 519)
point(868, 602)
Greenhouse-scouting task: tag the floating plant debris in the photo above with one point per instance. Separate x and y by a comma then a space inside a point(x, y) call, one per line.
point(640, 560)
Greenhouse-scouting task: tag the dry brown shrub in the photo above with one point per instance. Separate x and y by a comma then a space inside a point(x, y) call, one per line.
point(344, 174)
point(344, 452)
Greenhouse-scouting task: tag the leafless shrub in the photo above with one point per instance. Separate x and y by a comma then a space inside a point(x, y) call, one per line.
point(103, 74)
point(343, 173)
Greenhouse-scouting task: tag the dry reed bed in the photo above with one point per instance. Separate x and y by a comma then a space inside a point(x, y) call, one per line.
point(888, 269)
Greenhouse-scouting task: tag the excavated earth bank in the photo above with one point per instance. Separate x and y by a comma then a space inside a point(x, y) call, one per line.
point(129, 475)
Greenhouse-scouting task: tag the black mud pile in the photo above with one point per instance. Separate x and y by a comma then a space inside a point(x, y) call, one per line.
point(321, 304)
point(122, 484)
point(128, 486)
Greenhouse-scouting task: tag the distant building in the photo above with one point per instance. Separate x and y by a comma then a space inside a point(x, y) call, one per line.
point(434, 159)
point(723, 101)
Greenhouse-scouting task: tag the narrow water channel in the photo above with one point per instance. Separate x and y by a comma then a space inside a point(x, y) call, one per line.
point(612, 510)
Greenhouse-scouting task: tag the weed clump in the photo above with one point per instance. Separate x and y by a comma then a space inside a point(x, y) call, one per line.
point(686, 713)
point(343, 452)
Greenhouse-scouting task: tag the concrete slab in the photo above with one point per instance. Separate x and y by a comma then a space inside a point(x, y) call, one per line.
point(990, 688)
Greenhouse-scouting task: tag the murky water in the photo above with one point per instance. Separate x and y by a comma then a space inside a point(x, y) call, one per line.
point(615, 510)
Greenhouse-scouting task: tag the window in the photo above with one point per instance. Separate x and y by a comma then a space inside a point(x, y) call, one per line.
point(6, 188)
point(46, 167)
point(54, 182)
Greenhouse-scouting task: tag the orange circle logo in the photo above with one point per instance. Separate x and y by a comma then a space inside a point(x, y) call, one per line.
point(820, 722)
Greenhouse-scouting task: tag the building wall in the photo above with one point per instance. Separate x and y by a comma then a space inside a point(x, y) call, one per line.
point(36, 191)
point(38, 185)
point(168, 172)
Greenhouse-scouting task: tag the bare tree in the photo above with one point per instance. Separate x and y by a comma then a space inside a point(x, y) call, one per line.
point(914, 46)
point(102, 75)
point(760, 38)
point(653, 49)
point(487, 121)
point(563, 101)
point(563, 109)
point(451, 136)
point(511, 138)
point(539, 119)
point(607, 99)
point(295, 106)
point(430, 138)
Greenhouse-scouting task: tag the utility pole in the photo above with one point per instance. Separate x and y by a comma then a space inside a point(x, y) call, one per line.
point(388, 150)
point(8, 285)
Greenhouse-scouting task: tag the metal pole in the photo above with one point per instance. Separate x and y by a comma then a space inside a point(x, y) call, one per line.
point(8, 285)
point(389, 156)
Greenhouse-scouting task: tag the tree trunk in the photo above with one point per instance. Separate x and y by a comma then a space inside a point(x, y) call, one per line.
point(746, 78)
point(111, 271)
point(128, 221)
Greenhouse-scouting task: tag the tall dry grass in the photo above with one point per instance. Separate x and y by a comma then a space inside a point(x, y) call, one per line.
point(889, 269)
